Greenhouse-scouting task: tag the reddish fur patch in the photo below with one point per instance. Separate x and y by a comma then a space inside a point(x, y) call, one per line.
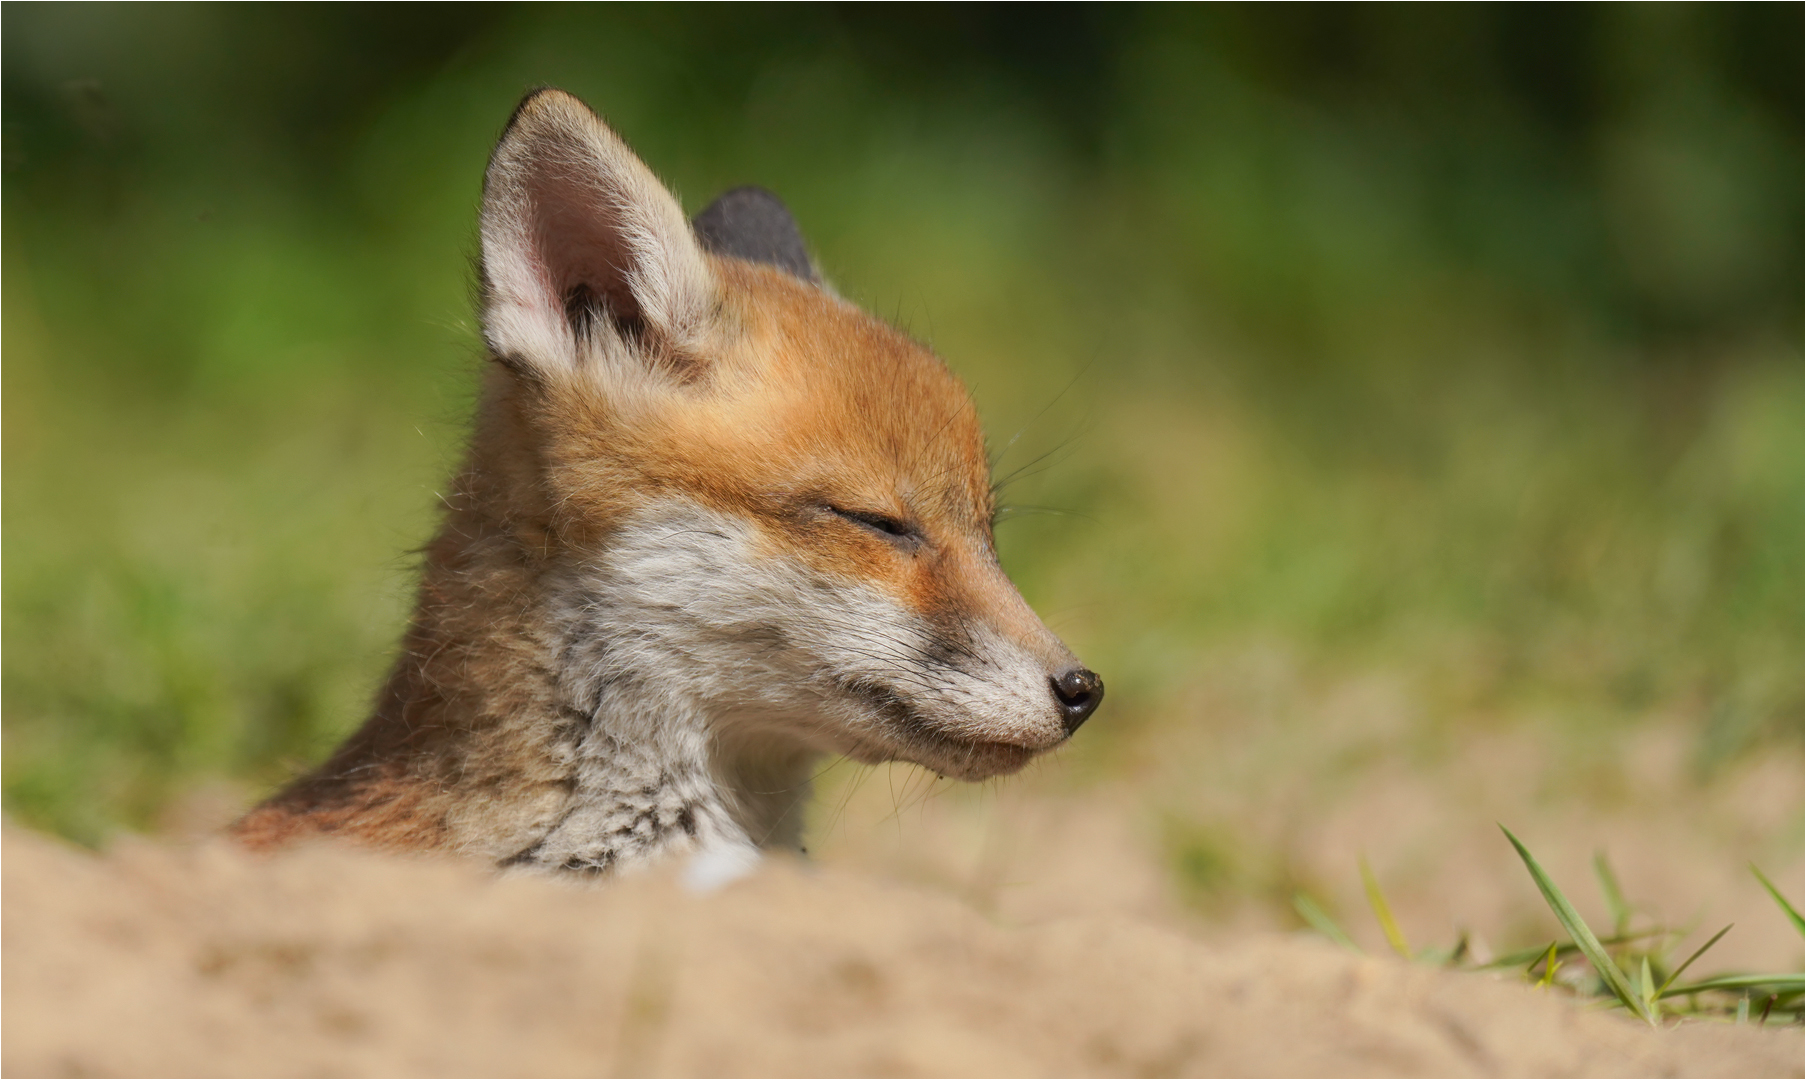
point(815, 403)
point(386, 813)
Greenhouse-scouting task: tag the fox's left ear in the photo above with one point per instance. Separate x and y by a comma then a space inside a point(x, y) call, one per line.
point(583, 246)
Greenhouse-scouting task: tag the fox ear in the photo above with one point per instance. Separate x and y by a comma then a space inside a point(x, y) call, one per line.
point(753, 224)
point(582, 246)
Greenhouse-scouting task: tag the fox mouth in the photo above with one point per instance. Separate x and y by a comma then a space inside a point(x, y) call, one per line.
point(908, 735)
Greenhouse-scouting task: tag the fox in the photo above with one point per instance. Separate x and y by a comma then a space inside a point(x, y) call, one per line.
point(714, 523)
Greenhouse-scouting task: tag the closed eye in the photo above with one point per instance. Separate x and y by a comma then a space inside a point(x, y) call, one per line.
point(893, 529)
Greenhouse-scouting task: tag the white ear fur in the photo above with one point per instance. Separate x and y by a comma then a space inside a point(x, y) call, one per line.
point(582, 246)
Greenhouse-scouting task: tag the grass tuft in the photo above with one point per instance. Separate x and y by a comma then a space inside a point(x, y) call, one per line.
point(1697, 953)
point(1582, 934)
point(1551, 964)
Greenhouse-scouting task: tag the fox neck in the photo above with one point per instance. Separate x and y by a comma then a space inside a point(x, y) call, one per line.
point(652, 768)
point(648, 776)
point(525, 723)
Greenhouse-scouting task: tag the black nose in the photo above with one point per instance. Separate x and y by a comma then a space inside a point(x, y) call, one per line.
point(1078, 692)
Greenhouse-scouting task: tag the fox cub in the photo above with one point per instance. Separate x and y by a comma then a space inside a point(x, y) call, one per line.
point(715, 522)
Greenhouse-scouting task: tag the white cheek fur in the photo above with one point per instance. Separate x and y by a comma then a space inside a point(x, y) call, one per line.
point(688, 597)
point(704, 671)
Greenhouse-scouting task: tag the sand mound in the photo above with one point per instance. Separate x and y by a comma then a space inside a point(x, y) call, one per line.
point(322, 962)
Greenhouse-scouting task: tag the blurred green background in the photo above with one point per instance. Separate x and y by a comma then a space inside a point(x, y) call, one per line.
point(1457, 342)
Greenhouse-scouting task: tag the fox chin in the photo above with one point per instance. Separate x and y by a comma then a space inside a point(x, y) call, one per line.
point(715, 522)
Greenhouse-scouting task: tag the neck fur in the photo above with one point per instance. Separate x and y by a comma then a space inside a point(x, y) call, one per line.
point(537, 718)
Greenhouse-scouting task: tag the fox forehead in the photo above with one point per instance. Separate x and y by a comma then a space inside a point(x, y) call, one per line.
point(808, 399)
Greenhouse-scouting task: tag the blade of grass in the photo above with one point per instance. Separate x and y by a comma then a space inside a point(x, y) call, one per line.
point(1697, 953)
point(1536, 956)
point(1318, 919)
point(1550, 966)
point(1581, 933)
point(1782, 984)
point(1383, 911)
point(1646, 990)
point(1614, 896)
point(1520, 957)
point(1792, 913)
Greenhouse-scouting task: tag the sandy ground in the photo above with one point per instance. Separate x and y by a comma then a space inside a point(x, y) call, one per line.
point(1120, 909)
point(1213, 822)
point(168, 960)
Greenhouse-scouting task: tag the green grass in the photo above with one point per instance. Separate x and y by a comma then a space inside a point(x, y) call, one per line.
point(1633, 968)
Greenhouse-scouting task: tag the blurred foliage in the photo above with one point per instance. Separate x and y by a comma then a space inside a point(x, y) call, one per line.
point(1457, 340)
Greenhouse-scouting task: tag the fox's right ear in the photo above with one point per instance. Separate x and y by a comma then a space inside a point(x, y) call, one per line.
point(583, 249)
point(753, 224)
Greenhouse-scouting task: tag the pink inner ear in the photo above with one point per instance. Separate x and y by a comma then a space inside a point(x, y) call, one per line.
point(580, 253)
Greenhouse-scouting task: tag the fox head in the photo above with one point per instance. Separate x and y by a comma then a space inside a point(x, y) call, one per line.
point(746, 492)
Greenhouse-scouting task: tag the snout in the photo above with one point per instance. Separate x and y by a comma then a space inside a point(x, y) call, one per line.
point(1077, 691)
